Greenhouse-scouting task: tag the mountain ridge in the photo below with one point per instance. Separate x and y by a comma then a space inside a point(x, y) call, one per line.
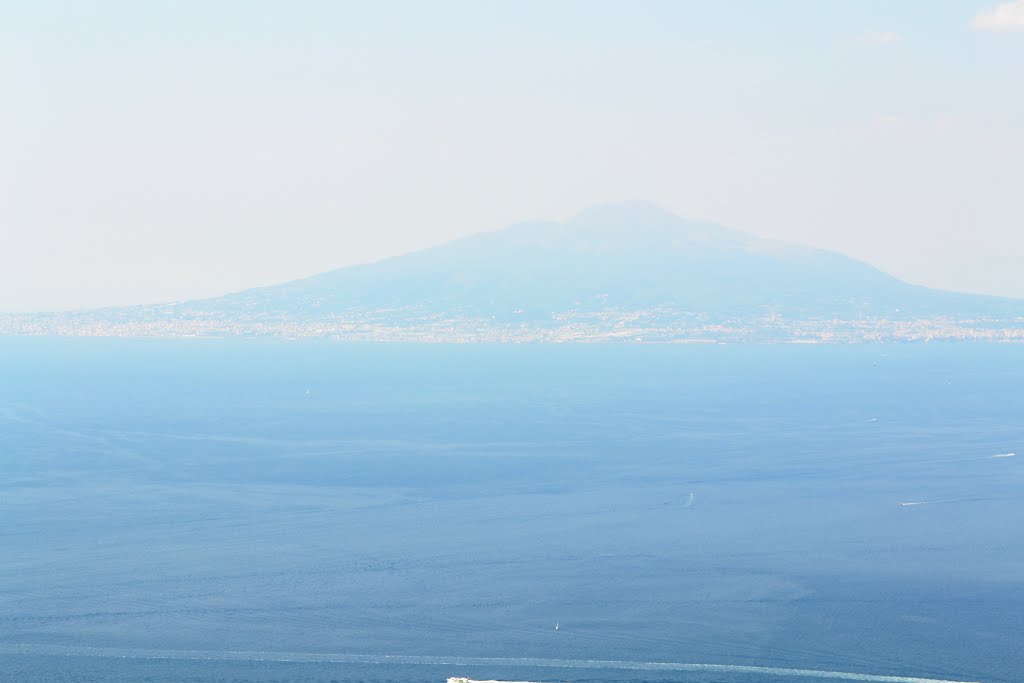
point(611, 270)
point(629, 254)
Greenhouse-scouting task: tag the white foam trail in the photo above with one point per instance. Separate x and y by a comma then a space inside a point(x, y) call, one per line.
point(936, 502)
point(689, 503)
point(970, 459)
point(458, 661)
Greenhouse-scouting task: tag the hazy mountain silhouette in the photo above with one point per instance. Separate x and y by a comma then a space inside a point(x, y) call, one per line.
point(620, 256)
point(619, 272)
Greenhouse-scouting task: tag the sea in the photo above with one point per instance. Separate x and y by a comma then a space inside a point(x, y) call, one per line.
point(274, 510)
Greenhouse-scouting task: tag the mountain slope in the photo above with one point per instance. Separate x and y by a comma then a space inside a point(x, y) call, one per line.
point(617, 272)
point(621, 256)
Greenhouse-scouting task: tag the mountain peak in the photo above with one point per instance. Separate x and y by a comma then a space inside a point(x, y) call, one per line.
point(626, 212)
point(644, 219)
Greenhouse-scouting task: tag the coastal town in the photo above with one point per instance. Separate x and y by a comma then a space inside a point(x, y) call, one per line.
point(660, 325)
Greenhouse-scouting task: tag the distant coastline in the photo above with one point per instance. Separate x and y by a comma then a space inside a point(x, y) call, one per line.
point(659, 327)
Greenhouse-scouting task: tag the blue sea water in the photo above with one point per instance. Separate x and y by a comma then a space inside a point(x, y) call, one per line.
point(214, 510)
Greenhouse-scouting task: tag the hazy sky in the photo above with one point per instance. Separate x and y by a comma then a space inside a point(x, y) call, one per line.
point(157, 151)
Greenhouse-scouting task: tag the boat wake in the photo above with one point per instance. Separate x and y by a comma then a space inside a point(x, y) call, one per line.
point(220, 655)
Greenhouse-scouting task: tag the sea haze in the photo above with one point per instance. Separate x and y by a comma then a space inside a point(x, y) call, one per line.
point(264, 510)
